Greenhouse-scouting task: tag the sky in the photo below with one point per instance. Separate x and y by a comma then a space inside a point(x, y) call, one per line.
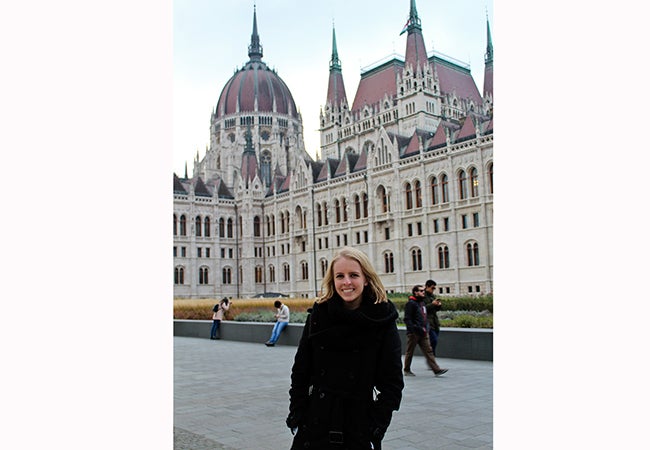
point(211, 38)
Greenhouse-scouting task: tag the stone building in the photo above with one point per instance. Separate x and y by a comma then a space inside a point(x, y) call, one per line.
point(405, 174)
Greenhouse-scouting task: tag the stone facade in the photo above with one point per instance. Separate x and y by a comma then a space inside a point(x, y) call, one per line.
point(405, 174)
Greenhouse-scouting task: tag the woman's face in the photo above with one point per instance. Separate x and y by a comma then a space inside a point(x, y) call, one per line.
point(349, 281)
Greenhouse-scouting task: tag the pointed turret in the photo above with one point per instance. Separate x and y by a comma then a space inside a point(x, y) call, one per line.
point(336, 89)
point(255, 49)
point(416, 52)
point(488, 77)
point(249, 159)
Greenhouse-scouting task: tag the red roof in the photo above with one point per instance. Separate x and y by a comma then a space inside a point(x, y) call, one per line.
point(256, 81)
point(336, 89)
point(414, 146)
point(488, 80)
point(377, 82)
point(455, 78)
point(416, 53)
point(468, 129)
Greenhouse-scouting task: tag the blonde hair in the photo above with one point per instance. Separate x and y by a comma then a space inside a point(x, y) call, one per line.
point(375, 287)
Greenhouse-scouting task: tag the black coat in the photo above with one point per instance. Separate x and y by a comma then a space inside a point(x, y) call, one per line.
point(343, 357)
point(432, 312)
point(415, 321)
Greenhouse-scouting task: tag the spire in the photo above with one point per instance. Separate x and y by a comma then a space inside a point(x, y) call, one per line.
point(255, 49)
point(335, 64)
point(186, 170)
point(414, 20)
point(416, 53)
point(335, 88)
point(489, 52)
point(488, 74)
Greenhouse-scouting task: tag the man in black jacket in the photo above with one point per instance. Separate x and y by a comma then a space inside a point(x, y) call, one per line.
point(433, 305)
point(417, 332)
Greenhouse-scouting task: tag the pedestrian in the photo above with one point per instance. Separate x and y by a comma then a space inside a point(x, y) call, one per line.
point(217, 316)
point(433, 305)
point(346, 379)
point(282, 320)
point(417, 332)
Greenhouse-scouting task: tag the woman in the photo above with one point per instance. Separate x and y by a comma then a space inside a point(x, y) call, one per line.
point(349, 350)
point(217, 316)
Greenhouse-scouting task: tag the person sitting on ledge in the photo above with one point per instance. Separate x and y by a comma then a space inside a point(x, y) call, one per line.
point(282, 320)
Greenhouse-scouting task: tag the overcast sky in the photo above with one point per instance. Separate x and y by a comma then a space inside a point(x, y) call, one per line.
point(211, 41)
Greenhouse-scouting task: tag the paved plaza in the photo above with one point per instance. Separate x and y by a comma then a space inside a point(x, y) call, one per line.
point(234, 396)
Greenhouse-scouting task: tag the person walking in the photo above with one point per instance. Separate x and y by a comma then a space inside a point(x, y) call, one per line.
point(346, 379)
point(417, 332)
point(217, 316)
point(282, 320)
point(433, 305)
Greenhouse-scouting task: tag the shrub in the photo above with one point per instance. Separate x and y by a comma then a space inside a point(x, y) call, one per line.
point(459, 312)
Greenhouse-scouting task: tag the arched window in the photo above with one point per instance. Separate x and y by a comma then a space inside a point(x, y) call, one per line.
point(444, 183)
point(272, 224)
point(365, 204)
point(206, 227)
point(323, 267)
point(357, 207)
point(416, 259)
point(462, 184)
point(183, 226)
point(473, 181)
point(259, 274)
point(197, 225)
point(389, 265)
point(222, 228)
point(384, 199)
point(443, 257)
point(490, 177)
point(287, 272)
point(265, 167)
point(175, 220)
point(257, 226)
point(304, 266)
point(472, 254)
point(226, 275)
point(179, 275)
point(300, 219)
point(268, 226)
point(271, 274)
point(409, 196)
point(337, 210)
point(418, 194)
point(326, 219)
point(319, 214)
point(434, 191)
point(229, 227)
point(203, 275)
point(344, 207)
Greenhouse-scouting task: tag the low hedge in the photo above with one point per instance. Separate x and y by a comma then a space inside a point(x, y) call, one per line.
point(460, 312)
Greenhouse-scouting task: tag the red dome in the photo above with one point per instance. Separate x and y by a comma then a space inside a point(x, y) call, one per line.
point(255, 81)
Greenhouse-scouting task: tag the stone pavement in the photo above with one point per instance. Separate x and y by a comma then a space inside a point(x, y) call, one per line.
point(234, 395)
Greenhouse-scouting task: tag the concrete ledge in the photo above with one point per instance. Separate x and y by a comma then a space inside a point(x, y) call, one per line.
point(459, 343)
